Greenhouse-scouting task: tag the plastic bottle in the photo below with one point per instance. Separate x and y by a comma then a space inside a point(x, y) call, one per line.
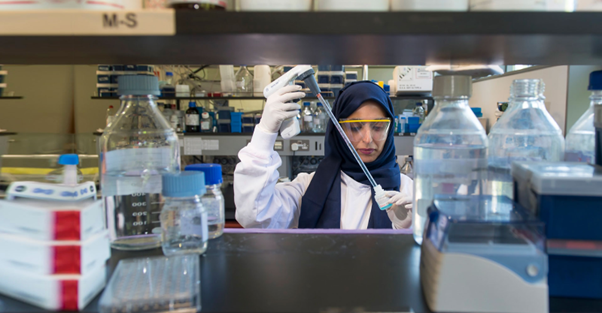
point(202, 5)
point(111, 113)
point(213, 200)
point(183, 217)
point(167, 111)
point(526, 132)
point(581, 139)
point(244, 82)
point(193, 119)
point(135, 150)
point(206, 122)
point(449, 149)
point(419, 112)
point(320, 119)
point(307, 117)
point(69, 174)
point(168, 90)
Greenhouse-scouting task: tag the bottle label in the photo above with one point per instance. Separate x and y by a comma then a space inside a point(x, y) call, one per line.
point(192, 120)
point(194, 225)
point(308, 118)
point(205, 125)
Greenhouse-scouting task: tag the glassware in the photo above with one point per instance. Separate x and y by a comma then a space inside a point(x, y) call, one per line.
point(244, 82)
point(581, 139)
point(193, 119)
point(525, 132)
point(419, 112)
point(213, 200)
point(320, 119)
point(183, 217)
point(449, 149)
point(135, 150)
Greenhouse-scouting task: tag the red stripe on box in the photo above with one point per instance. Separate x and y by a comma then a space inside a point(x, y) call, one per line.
point(106, 3)
point(67, 225)
point(67, 260)
point(69, 295)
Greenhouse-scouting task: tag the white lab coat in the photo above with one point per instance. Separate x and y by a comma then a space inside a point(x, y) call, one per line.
point(262, 203)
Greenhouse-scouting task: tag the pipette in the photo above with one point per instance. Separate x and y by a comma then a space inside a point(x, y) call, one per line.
point(379, 193)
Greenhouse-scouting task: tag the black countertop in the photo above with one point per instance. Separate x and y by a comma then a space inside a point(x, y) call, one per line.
point(309, 272)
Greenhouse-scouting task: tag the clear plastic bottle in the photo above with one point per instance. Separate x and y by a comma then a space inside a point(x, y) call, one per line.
point(244, 82)
point(213, 200)
point(206, 122)
point(449, 149)
point(320, 119)
point(183, 217)
point(135, 150)
point(581, 139)
point(307, 117)
point(111, 114)
point(525, 132)
point(419, 112)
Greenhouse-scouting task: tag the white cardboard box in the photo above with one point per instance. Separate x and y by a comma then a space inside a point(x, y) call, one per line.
point(54, 257)
point(412, 80)
point(52, 220)
point(53, 292)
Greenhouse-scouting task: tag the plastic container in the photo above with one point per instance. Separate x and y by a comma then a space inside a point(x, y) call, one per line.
point(182, 91)
point(158, 284)
point(262, 78)
point(548, 188)
point(213, 200)
point(429, 5)
point(183, 218)
point(526, 132)
point(561, 5)
point(581, 138)
point(236, 122)
point(508, 5)
point(352, 5)
point(275, 5)
point(574, 268)
point(135, 150)
point(449, 149)
point(244, 82)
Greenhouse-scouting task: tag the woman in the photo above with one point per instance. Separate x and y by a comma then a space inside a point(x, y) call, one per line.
point(338, 194)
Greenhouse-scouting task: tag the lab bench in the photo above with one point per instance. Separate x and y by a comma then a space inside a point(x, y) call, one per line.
point(309, 271)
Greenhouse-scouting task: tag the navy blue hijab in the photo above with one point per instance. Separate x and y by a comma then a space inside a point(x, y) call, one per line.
point(321, 204)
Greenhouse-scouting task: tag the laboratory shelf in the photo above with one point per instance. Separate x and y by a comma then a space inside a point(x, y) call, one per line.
point(391, 38)
point(396, 98)
point(11, 98)
point(308, 271)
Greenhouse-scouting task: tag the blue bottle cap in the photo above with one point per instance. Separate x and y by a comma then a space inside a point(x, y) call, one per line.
point(69, 159)
point(192, 104)
point(595, 80)
point(168, 74)
point(213, 172)
point(184, 184)
point(306, 104)
point(138, 85)
point(320, 104)
point(418, 104)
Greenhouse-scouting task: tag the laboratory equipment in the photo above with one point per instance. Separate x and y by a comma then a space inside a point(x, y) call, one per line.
point(412, 80)
point(307, 118)
point(182, 91)
point(407, 167)
point(228, 80)
point(193, 119)
point(419, 112)
point(353, 5)
point(213, 200)
point(566, 197)
point(236, 122)
point(379, 193)
point(244, 82)
point(202, 5)
point(168, 90)
point(449, 149)
point(206, 122)
point(508, 5)
point(290, 127)
point(483, 254)
point(581, 139)
point(429, 5)
point(526, 132)
point(135, 150)
point(158, 284)
point(319, 119)
point(111, 112)
point(275, 5)
point(184, 228)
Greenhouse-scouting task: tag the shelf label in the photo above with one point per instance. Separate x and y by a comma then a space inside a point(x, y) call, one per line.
point(193, 146)
point(88, 23)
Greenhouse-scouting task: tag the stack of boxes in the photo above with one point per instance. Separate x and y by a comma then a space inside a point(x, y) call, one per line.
point(350, 77)
point(567, 198)
point(108, 75)
point(236, 122)
point(331, 79)
point(54, 245)
point(248, 122)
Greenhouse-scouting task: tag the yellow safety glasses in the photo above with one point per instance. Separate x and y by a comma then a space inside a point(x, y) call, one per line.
point(357, 130)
